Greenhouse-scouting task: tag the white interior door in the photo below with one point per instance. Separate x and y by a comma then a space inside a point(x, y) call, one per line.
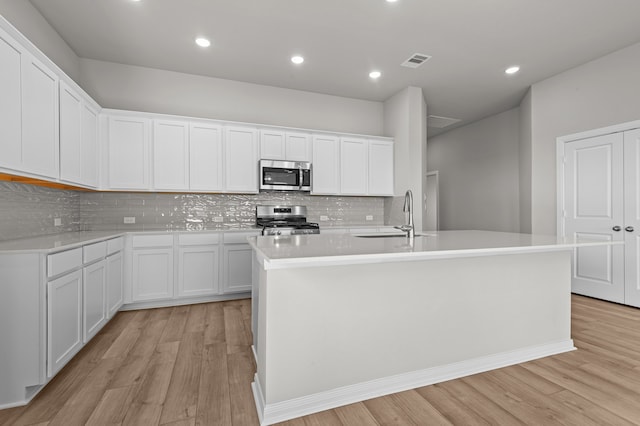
point(632, 216)
point(593, 196)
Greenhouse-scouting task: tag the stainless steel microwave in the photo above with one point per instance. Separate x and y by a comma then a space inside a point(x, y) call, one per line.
point(278, 175)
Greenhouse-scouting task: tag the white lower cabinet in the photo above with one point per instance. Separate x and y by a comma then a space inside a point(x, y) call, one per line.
point(94, 294)
point(237, 256)
point(152, 274)
point(115, 289)
point(198, 260)
point(64, 320)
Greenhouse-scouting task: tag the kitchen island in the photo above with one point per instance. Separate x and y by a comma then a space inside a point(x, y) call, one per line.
point(343, 318)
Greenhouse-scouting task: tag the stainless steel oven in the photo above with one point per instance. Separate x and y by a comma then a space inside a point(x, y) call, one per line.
point(278, 175)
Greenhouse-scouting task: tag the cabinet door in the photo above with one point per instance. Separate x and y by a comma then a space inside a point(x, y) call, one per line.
point(353, 166)
point(594, 205)
point(298, 147)
point(152, 274)
point(89, 152)
point(326, 165)
point(64, 320)
point(241, 159)
point(40, 148)
point(70, 134)
point(237, 268)
point(11, 55)
point(170, 155)
point(205, 157)
point(94, 294)
point(632, 217)
point(198, 270)
point(380, 168)
point(128, 141)
point(115, 289)
point(272, 145)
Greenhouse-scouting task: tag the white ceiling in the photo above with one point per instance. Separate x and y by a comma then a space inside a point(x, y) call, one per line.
point(471, 43)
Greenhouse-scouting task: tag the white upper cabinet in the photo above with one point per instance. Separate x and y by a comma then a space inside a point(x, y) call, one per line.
point(326, 165)
point(353, 166)
point(40, 147)
point(28, 112)
point(89, 159)
point(298, 147)
point(205, 157)
point(280, 145)
point(11, 55)
point(170, 155)
point(78, 138)
point(128, 149)
point(380, 168)
point(241, 159)
point(272, 145)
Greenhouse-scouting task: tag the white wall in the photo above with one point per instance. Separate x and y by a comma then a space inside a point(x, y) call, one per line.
point(479, 174)
point(152, 90)
point(26, 18)
point(603, 92)
point(525, 164)
point(405, 118)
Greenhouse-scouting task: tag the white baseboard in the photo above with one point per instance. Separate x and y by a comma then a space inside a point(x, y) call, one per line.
point(309, 404)
point(184, 301)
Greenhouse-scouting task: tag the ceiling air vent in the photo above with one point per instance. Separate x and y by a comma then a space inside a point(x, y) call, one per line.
point(438, 122)
point(416, 60)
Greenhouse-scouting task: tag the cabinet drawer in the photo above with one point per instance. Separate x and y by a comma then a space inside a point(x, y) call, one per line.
point(239, 237)
point(198, 239)
point(94, 251)
point(152, 240)
point(64, 261)
point(115, 245)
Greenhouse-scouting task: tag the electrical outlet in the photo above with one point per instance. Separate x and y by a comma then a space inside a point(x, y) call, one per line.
point(57, 221)
point(218, 219)
point(324, 218)
point(369, 217)
point(129, 219)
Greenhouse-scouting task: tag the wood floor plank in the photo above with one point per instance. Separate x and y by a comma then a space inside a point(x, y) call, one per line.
point(235, 330)
point(112, 407)
point(452, 409)
point(175, 326)
point(182, 396)
point(324, 418)
point(214, 331)
point(125, 341)
point(196, 318)
point(598, 414)
point(214, 404)
point(356, 414)
point(241, 371)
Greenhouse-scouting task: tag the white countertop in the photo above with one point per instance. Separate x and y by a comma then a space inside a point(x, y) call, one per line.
point(343, 249)
point(69, 240)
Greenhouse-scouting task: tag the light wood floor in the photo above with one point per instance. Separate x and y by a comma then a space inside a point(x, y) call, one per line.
point(192, 365)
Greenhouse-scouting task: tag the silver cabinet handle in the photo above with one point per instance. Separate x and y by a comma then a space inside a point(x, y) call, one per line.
point(629, 229)
point(616, 228)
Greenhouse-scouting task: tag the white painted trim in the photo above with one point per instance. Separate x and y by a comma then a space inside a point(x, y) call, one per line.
point(297, 407)
point(622, 127)
point(186, 301)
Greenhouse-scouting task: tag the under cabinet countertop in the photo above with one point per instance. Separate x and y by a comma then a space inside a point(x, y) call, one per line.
point(69, 240)
point(344, 249)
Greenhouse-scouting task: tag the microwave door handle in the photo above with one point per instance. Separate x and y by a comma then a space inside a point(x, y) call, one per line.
point(300, 176)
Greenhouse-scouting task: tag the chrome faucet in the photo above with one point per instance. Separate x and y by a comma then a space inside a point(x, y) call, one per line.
point(408, 208)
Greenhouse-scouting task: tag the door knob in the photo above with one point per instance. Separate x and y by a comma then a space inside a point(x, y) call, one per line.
point(629, 229)
point(616, 228)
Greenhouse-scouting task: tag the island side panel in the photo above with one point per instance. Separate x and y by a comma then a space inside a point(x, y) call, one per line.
point(323, 328)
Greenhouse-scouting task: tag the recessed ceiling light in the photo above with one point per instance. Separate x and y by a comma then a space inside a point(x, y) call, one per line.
point(375, 74)
point(512, 70)
point(297, 59)
point(203, 42)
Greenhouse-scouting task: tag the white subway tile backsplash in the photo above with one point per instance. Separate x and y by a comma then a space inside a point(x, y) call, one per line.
point(29, 210)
